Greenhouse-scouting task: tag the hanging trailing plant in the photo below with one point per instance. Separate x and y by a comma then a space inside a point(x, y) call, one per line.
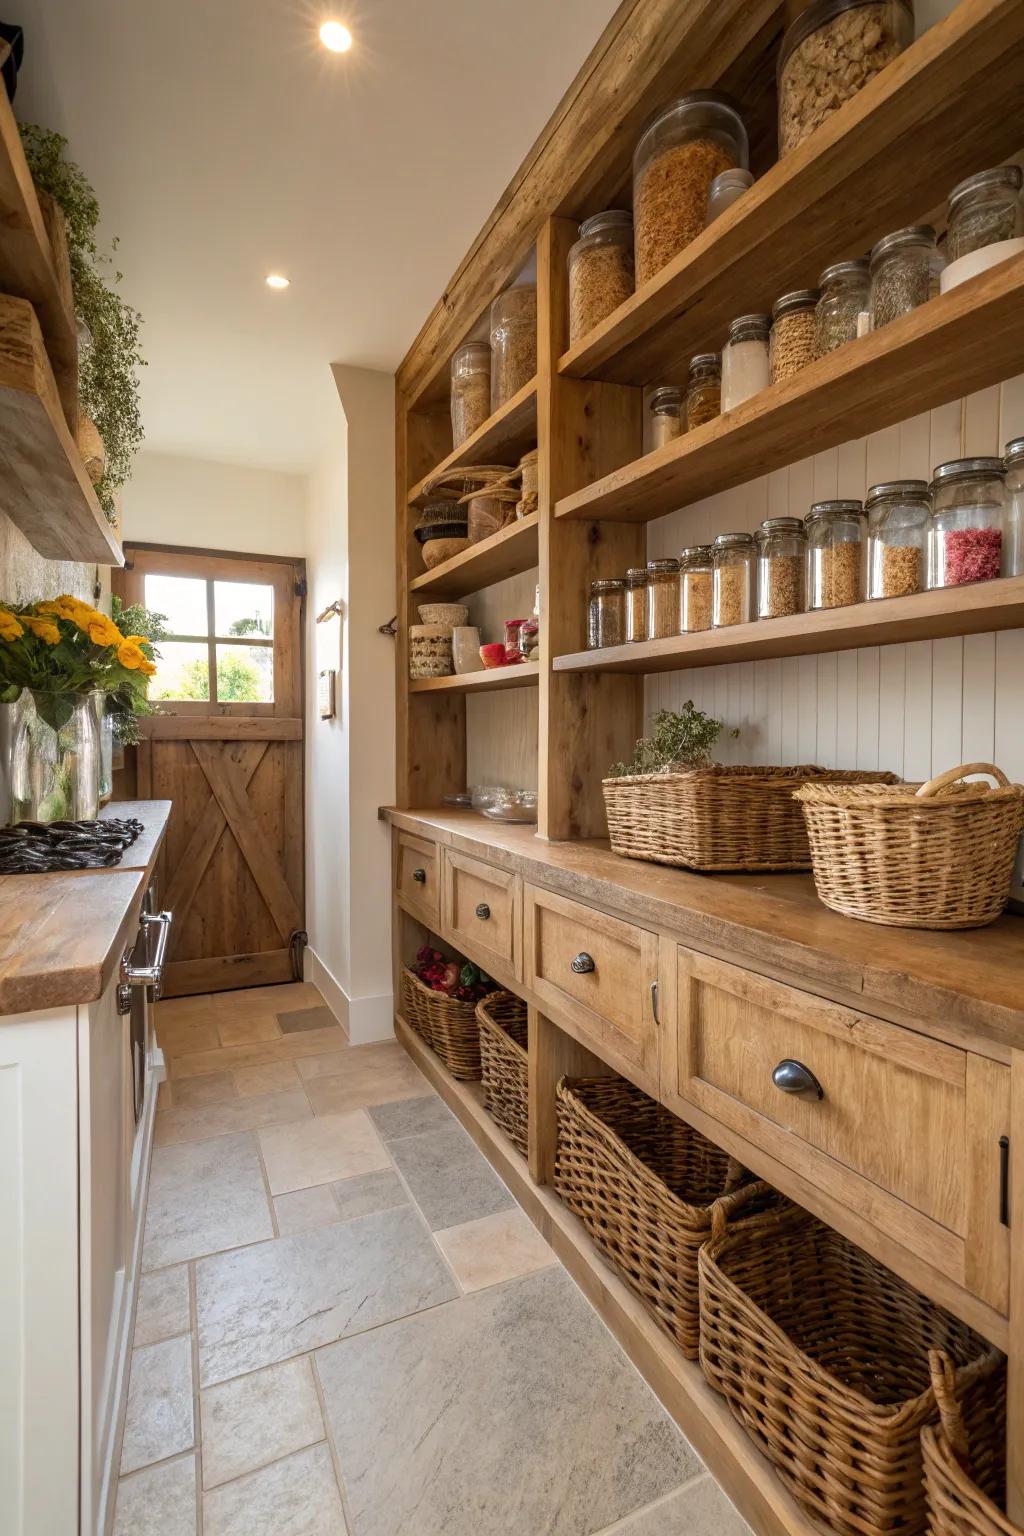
point(109, 356)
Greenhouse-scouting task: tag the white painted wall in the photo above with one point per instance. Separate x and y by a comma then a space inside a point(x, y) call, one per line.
point(203, 504)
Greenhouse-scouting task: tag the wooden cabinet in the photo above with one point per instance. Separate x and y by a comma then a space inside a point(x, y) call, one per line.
point(483, 913)
point(418, 877)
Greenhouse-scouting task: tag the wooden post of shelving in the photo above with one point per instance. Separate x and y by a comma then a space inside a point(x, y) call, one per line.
point(585, 430)
point(553, 1055)
point(1015, 1394)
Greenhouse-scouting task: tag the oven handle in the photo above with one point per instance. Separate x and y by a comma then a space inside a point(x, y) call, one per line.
point(151, 975)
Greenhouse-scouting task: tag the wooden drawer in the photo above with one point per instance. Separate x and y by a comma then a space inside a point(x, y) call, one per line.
point(483, 913)
point(606, 997)
point(418, 876)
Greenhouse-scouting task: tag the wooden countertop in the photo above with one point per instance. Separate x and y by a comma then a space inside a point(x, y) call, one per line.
point(948, 984)
point(62, 935)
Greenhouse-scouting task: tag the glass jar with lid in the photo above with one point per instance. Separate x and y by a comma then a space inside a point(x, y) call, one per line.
point(1013, 544)
point(470, 390)
point(636, 604)
point(662, 598)
point(732, 599)
point(666, 408)
point(513, 342)
point(985, 210)
point(781, 557)
point(745, 366)
point(696, 566)
point(835, 554)
point(606, 618)
point(898, 513)
point(830, 50)
point(793, 333)
point(600, 270)
point(965, 538)
point(687, 145)
point(703, 390)
point(727, 189)
point(845, 296)
point(905, 271)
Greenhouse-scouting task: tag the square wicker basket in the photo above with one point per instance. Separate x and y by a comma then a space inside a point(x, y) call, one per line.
point(502, 1021)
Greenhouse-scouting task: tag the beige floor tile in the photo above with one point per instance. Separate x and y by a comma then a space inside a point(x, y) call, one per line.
point(248, 1029)
point(256, 1419)
point(181, 1037)
point(361, 1076)
point(699, 1509)
point(233, 1057)
point(177, 1125)
point(200, 1092)
point(160, 1501)
point(205, 1196)
point(182, 1007)
point(158, 1421)
point(163, 1309)
point(321, 1150)
point(494, 1248)
point(295, 1497)
point(289, 994)
point(250, 1081)
point(305, 1209)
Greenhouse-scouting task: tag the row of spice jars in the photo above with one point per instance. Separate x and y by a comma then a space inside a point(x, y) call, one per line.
point(485, 375)
point(675, 411)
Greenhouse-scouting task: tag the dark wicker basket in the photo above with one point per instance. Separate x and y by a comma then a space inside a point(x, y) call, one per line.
point(503, 1061)
point(822, 1354)
point(644, 1183)
point(964, 1474)
point(448, 1026)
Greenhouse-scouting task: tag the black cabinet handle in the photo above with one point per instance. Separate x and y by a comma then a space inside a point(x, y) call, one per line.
point(420, 876)
point(483, 911)
point(1004, 1180)
point(583, 964)
point(794, 1078)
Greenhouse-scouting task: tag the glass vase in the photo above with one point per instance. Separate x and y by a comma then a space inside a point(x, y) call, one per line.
point(105, 726)
point(55, 758)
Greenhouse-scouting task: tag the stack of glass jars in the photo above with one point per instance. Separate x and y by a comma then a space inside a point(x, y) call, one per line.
point(835, 554)
point(898, 513)
point(965, 541)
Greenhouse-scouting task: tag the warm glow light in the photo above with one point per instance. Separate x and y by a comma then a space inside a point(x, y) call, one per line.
point(277, 280)
point(336, 37)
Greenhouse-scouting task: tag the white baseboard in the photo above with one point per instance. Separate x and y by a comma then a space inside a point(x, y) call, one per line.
point(365, 1020)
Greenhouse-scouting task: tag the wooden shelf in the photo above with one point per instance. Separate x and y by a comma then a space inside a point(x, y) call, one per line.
point(493, 680)
point(958, 343)
point(506, 553)
point(973, 610)
point(44, 487)
point(945, 108)
point(503, 438)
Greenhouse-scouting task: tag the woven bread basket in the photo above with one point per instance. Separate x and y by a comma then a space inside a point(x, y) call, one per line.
point(717, 817)
point(965, 1490)
point(939, 855)
point(822, 1355)
point(644, 1184)
point(447, 1025)
point(501, 1018)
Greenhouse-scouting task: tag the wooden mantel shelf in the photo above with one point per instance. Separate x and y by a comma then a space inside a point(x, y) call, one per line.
point(488, 680)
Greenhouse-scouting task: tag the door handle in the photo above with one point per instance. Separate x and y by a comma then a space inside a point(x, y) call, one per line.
point(794, 1078)
point(654, 1002)
point(151, 975)
point(420, 876)
point(583, 964)
point(483, 911)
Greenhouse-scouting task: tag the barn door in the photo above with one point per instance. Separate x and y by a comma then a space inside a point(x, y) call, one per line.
point(227, 750)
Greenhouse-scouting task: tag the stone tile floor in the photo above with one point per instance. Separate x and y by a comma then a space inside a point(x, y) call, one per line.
point(346, 1325)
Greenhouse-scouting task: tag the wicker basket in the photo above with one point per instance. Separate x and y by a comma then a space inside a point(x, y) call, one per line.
point(822, 1354)
point(448, 1026)
point(643, 1183)
point(965, 1491)
point(718, 817)
point(503, 1061)
point(936, 856)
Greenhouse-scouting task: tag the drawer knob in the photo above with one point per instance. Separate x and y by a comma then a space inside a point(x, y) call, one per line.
point(420, 876)
point(583, 964)
point(794, 1078)
point(483, 911)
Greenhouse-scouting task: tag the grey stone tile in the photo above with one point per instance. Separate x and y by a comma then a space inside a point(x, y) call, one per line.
point(510, 1413)
point(450, 1180)
point(256, 1419)
point(700, 1509)
point(307, 1018)
point(205, 1196)
point(368, 1193)
point(158, 1421)
point(304, 1209)
point(163, 1309)
point(412, 1117)
point(202, 1123)
point(295, 1497)
point(267, 1303)
point(160, 1501)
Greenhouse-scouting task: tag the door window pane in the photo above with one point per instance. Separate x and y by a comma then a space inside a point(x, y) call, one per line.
point(182, 599)
point(182, 671)
point(245, 674)
point(243, 608)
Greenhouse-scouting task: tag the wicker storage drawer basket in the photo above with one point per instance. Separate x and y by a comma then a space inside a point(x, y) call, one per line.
point(965, 1491)
point(501, 1019)
point(938, 855)
point(718, 817)
point(448, 1026)
point(644, 1183)
point(822, 1354)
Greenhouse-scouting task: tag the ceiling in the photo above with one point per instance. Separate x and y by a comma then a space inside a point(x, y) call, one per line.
point(225, 143)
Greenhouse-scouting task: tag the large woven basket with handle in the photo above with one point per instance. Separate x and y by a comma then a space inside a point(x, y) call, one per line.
point(502, 1021)
point(935, 855)
point(964, 1464)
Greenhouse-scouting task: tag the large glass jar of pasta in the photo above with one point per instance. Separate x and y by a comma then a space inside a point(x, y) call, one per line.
point(781, 552)
point(835, 554)
point(898, 513)
point(513, 342)
point(845, 296)
point(1013, 544)
point(732, 600)
point(600, 270)
point(606, 617)
point(470, 390)
point(636, 604)
point(905, 271)
point(965, 539)
point(985, 210)
point(662, 598)
point(703, 390)
point(686, 146)
point(696, 567)
point(666, 409)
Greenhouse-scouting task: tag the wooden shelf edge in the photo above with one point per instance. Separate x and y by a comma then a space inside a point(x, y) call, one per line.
point(512, 421)
point(526, 675)
point(508, 552)
point(702, 1416)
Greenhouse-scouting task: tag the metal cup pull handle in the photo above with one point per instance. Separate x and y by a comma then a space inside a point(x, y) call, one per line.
point(483, 911)
point(583, 964)
point(794, 1078)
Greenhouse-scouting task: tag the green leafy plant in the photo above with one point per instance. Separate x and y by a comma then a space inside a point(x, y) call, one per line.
point(679, 741)
point(109, 356)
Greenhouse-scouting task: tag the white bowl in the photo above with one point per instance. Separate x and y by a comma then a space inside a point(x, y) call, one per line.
point(977, 262)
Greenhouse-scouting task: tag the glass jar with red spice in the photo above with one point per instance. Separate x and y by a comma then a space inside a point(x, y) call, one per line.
point(965, 539)
point(514, 651)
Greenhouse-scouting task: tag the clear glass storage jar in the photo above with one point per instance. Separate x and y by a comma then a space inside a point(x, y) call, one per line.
point(1013, 543)
point(470, 390)
point(745, 366)
point(829, 51)
point(793, 333)
point(696, 566)
point(687, 145)
point(703, 390)
point(600, 270)
point(965, 538)
point(732, 599)
point(781, 558)
point(898, 513)
point(513, 342)
point(662, 598)
point(905, 271)
point(985, 210)
point(636, 604)
point(666, 409)
point(845, 296)
point(606, 618)
point(835, 554)
point(727, 189)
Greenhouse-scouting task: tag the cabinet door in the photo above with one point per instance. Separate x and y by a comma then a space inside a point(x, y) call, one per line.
point(483, 913)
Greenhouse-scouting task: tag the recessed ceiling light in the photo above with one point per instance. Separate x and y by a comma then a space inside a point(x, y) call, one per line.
point(278, 280)
point(336, 37)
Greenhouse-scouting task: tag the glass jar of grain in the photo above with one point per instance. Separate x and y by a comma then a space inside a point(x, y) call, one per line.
point(898, 513)
point(666, 408)
point(606, 620)
point(662, 598)
point(732, 600)
point(905, 271)
point(829, 52)
point(686, 146)
point(470, 390)
point(1013, 547)
point(845, 296)
point(703, 390)
point(636, 604)
point(600, 270)
point(985, 210)
point(513, 342)
point(835, 554)
point(781, 557)
point(793, 333)
point(965, 538)
point(696, 565)
point(745, 366)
